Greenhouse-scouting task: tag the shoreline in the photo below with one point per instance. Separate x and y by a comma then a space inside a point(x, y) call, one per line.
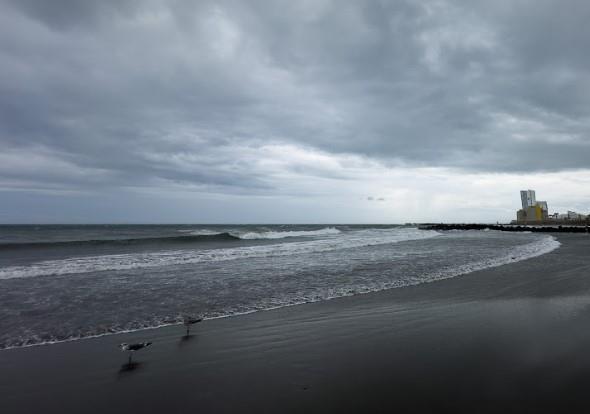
point(510, 339)
point(461, 271)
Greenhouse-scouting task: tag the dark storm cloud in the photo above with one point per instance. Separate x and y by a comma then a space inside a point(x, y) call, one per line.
point(130, 93)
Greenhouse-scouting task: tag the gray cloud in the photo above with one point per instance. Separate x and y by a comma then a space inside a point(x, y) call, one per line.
point(146, 93)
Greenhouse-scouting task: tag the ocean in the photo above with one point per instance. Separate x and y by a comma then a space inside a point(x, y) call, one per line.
point(69, 282)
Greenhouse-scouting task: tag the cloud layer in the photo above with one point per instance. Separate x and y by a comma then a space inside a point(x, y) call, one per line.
point(269, 98)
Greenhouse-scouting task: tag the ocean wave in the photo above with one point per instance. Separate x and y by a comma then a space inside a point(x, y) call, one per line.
point(205, 232)
point(131, 261)
point(190, 238)
point(187, 236)
point(518, 253)
point(284, 234)
point(266, 234)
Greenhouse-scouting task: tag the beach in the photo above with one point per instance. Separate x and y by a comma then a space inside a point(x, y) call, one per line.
point(512, 338)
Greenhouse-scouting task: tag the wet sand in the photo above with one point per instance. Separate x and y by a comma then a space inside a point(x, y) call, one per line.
point(515, 338)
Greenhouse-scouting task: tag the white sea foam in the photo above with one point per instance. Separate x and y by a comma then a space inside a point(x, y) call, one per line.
point(262, 235)
point(203, 232)
point(353, 239)
point(536, 248)
point(284, 234)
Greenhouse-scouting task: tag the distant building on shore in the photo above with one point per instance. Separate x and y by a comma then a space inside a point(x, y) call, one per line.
point(528, 198)
point(537, 212)
point(532, 211)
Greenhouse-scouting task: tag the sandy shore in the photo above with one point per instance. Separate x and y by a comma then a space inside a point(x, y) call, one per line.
point(510, 339)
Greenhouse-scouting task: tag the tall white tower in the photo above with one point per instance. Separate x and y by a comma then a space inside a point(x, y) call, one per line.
point(528, 198)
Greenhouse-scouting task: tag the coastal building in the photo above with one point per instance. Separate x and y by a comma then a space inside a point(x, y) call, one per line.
point(532, 211)
point(572, 215)
point(537, 212)
point(544, 208)
point(527, 198)
point(531, 214)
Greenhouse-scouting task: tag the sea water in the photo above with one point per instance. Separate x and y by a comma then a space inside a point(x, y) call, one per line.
point(62, 283)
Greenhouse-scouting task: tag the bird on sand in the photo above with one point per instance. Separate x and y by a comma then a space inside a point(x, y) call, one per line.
point(131, 348)
point(190, 320)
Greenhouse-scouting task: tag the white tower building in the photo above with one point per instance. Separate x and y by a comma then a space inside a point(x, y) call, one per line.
point(528, 198)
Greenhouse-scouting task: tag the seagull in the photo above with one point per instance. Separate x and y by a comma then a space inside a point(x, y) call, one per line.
point(133, 347)
point(190, 320)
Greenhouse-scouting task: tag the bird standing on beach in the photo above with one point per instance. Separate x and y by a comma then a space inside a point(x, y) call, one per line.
point(131, 348)
point(190, 320)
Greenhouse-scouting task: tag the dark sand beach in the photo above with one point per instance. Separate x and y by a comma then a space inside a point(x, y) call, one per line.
point(515, 338)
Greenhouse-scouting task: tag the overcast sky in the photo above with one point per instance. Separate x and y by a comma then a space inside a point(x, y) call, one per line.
point(291, 111)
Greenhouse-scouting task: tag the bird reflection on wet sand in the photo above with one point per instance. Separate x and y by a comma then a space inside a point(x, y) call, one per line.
point(187, 339)
point(128, 368)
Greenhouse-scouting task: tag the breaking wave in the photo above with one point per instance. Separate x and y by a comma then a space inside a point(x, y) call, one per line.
point(284, 234)
point(191, 238)
point(129, 261)
point(188, 236)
